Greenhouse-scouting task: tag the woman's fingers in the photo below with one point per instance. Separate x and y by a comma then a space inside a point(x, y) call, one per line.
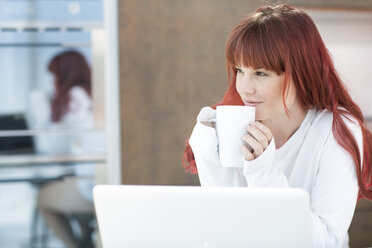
point(256, 146)
point(258, 135)
point(246, 153)
point(209, 124)
point(264, 129)
point(256, 141)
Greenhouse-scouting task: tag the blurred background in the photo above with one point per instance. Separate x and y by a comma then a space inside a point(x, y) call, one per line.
point(152, 64)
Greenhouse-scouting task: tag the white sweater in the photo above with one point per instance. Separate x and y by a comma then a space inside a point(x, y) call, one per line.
point(78, 116)
point(311, 159)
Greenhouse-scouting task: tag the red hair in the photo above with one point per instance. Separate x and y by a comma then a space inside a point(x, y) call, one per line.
point(285, 40)
point(69, 69)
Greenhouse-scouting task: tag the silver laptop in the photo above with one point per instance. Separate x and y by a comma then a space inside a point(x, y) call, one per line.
point(196, 217)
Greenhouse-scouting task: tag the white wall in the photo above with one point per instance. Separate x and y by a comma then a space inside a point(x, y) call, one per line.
point(348, 36)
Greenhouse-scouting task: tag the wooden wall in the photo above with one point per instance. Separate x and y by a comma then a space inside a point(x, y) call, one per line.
point(360, 231)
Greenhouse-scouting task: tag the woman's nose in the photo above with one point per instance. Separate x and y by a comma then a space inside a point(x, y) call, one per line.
point(248, 86)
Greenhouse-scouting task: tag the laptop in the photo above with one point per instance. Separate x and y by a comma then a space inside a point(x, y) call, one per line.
point(202, 217)
point(15, 145)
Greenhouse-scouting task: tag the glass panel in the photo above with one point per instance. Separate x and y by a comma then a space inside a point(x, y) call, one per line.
point(50, 148)
point(24, 67)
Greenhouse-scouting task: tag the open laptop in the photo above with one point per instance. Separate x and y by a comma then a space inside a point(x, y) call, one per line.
point(15, 145)
point(196, 217)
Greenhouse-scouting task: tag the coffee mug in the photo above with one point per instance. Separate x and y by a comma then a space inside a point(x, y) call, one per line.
point(231, 123)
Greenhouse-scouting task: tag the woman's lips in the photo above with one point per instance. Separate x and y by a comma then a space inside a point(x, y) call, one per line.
point(249, 103)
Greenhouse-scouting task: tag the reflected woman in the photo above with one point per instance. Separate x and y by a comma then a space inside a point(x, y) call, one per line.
point(71, 107)
point(308, 132)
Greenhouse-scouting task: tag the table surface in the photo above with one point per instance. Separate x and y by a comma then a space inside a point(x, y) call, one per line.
point(43, 168)
point(13, 160)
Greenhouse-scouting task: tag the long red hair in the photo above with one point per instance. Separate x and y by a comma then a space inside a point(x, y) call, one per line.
point(69, 69)
point(285, 40)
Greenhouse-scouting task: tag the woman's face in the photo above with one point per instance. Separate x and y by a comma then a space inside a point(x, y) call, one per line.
point(263, 89)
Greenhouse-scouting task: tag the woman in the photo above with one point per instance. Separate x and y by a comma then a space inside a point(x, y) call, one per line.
point(308, 132)
point(71, 107)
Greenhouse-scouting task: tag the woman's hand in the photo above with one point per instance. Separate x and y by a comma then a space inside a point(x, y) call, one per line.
point(209, 124)
point(256, 141)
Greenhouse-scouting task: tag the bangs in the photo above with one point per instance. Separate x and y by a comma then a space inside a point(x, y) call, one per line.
point(255, 46)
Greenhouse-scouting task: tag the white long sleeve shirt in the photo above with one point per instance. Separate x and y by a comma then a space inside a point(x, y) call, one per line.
point(311, 159)
point(79, 116)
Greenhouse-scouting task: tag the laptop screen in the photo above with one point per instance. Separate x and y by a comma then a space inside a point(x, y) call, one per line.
point(15, 144)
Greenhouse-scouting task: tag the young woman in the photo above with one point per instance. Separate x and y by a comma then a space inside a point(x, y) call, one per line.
point(70, 108)
point(308, 132)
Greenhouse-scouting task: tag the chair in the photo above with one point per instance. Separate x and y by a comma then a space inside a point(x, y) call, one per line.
point(88, 221)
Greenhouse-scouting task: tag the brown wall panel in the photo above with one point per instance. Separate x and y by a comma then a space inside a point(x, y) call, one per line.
point(171, 64)
point(360, 231)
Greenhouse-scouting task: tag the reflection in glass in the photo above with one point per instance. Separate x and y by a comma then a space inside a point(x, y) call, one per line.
point(34, 149)
point(60, 112)
point(70, 107)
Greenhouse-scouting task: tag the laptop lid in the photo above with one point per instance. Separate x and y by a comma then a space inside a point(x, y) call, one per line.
point(196, 217)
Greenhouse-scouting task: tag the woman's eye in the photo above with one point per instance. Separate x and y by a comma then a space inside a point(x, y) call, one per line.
point(238, 70)
point(260, 73)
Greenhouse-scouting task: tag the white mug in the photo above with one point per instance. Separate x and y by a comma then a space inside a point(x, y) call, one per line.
point(231, 123)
